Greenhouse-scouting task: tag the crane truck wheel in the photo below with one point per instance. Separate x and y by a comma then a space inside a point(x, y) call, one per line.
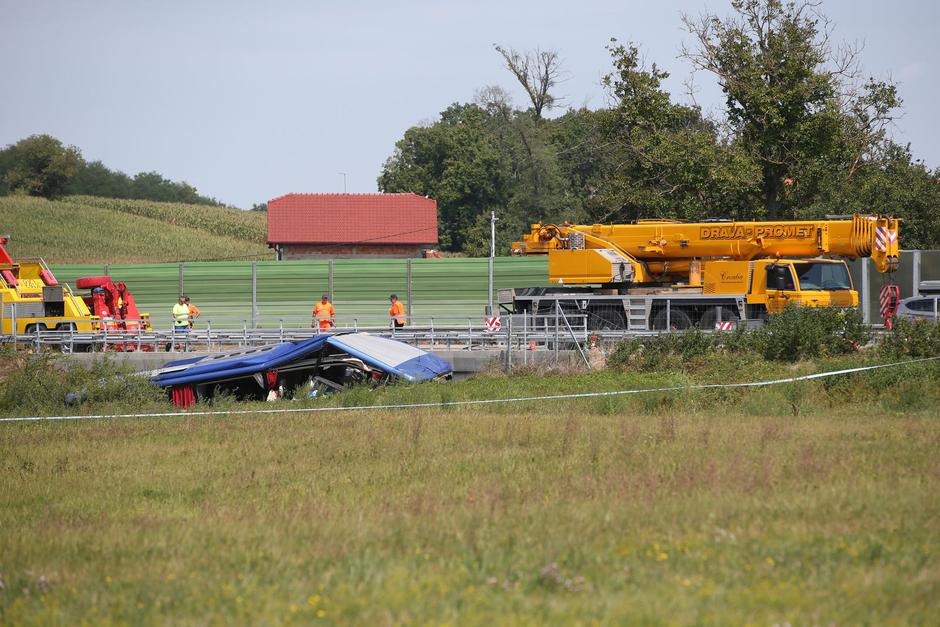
point(710, 317)
point(678, 320)
point(92, 281)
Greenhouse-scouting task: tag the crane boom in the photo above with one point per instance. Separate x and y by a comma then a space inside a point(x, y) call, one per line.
point(653, 251)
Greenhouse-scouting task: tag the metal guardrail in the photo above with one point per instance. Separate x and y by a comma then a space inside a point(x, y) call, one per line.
point(520, 331)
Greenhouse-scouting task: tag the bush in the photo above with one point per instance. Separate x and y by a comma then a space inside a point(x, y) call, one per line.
point(660, 351)
point(917, 338)
point(795, 334)
point(807, 333)
point(38, 384)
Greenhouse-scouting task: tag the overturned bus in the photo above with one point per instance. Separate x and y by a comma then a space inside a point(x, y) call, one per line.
point(304, 368)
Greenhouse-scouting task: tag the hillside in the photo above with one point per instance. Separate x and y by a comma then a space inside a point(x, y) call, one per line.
point(86, 229)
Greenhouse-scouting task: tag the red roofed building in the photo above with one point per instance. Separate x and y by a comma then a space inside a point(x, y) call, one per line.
point(303, 226)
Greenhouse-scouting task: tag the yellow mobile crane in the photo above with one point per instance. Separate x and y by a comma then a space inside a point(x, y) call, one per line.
point(658, 274)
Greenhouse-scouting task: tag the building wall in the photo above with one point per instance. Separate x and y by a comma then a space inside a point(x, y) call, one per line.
point(341, 251)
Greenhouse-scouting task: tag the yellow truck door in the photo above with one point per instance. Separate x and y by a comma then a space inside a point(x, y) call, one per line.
point(781, 287)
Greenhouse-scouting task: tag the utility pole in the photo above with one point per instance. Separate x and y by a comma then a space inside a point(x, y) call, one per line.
point(489, 297)
point(344, 180)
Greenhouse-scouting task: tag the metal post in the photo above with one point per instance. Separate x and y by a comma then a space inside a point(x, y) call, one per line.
point(509, 344)
point(408, 287)
point(557, 309)
point(668, 315)
point(525, 343)
point(329, 279)
point(469, 334)
point(107, 269)
point(915, 266)
point(254, 294)
point(209, 335)
point(13, 322)
point(863, 296)
point(489, 284)
point(281, 323)
point(245, 332)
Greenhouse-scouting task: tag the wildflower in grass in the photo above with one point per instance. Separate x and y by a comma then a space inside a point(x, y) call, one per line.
point(770, 561)
point(313, 600)
point(662, 557)
point(321, 613)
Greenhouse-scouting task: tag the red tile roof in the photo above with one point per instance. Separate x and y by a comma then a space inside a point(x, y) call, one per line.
point(352, 219)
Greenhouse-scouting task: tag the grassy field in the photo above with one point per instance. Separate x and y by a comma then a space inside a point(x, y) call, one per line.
point(810, 503)
point(84, 229)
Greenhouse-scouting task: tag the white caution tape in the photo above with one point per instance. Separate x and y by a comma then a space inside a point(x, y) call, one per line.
point(488, 401)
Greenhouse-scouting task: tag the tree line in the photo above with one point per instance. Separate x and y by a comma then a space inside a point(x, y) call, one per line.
point(40, 165)
point(803, 134)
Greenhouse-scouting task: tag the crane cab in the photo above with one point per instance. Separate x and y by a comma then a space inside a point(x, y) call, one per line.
point(775, 283)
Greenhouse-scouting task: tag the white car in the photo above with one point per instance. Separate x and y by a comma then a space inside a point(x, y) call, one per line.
point(920, 308)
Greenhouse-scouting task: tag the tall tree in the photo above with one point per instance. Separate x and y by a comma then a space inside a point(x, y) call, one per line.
point(790, 99)
point(538, 71)
point(665, 160)
point(40, 165)
point(457, 162)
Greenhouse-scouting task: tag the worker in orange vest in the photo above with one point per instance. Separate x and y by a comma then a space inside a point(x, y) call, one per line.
point(397, 312)
point(324, 314)
point(193, 313)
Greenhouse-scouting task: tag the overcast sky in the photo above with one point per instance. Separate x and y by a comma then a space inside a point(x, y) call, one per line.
point(251, 100)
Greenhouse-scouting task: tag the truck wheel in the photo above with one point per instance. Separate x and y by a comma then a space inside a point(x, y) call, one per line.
point(710, 317)
point(678, 320)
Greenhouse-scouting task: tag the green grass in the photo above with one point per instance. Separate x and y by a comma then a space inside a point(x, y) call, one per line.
point(815, 503)
point(84, 229)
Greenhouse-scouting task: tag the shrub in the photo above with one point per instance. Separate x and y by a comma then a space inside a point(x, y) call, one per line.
point(794, 334)
point(807, 333)
point(912, 338)
point(664, 350)
point(40, 384)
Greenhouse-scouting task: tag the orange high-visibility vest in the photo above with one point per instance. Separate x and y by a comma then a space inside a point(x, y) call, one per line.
point(324, 312)
point(397, 312)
